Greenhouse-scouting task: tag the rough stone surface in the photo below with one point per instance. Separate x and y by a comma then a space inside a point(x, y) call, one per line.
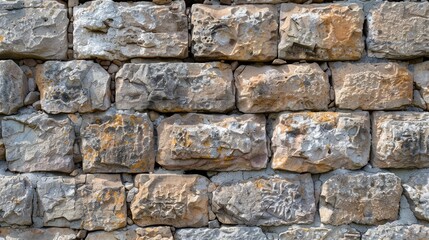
point(38, 142)
point(73, 86)
point(16, 196)
point(111, 30)
point(416, 190)
point(37, 234)
point(13, 86)
point(33, 29)
point(247, 32)
point(117, 141)
point(398, 30)
point(361, 198)
point(321, 32)
point(371, 86)
point(269, 201)
point(168, 199)
point(279, 88)
point(321, 233)
point(389, 231)
point(224, 233)
point(150, 233)
point(318, 142)
point(421, 79)
point(400, 140)
point(212, 142)
point(176, 87)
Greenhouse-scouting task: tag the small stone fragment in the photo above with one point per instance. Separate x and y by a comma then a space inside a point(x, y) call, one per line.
point(16, 197)
point(321, 233)
point(31, 98)
point(390, 231)
point(416, 190)
point(421, 78)
point(37, 234)
point(13, 85)
point(224, 233)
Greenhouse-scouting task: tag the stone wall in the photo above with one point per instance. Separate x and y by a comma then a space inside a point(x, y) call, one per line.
point(230, 119)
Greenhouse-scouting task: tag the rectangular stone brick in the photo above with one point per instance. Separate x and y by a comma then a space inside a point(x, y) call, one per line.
point(246, 32)
point(321, 31)
point(395, 231)
point(400, 140)
point(320, 233)
point(224, 233)
point(279, 88)
point(38, 234)
point(111, 30)
point(176, 87)
point(398, 30)
point(168, 199)
point(16, 201)
point(371, 86)
point(13, 87)
point(133, 233)
point(212, 142)
point(318, 142)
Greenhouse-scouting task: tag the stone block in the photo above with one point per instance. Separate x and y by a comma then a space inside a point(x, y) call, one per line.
point(16, 201)
point(13, 86)
point(224, 233)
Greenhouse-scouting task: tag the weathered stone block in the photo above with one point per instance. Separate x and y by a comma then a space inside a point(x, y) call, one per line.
point(212, 142)
point(110, 30)
point(167, 199)
point(176, 87)
point(371, 86)
point(390, 231)
point(421, 79)
point(33, 29)
point(279, 88)
point(224, 233)
point(16, 197)
point(38, 142)
point(13, 86)
point(149, 233)
point(117, 141)
point(321, 233)
point(318, 142)
point(321, 31)
point(269, 201)
point(37, 234)
point(400, 140)
point(398, 30)
point(361, 198)
point(73, 86)
point(247, 32)
point(416, 190)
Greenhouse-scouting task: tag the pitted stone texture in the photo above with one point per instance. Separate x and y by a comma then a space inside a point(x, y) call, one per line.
point(237, 2)
point(400, 140)
point(361, 198)
point(321, 233)
point(13, 86)
point(150, 233)
point(371, 86)
point(246, 32)
point(176, 87)
point(103, 202)
point(321, 32)
point(37, 234)
point(224, 233)
point(33, 29)
point(318, 142)
point(416, 190)
point(421, 79)
point(38, 142)
point(111, 30)
point(398, 30)
point(168, 199)
point(117, 141)
point(16, 197)
point(73, 86)
point(269, 201)
point(212, 142)
point(279, 88)
point(389, 231)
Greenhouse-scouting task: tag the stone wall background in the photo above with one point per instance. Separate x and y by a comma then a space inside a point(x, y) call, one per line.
point(238, 119)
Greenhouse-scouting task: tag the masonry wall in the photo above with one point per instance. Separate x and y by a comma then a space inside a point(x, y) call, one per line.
point(238, 119)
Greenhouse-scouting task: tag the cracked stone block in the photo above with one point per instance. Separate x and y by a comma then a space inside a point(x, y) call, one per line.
point(168, 199)
point(361, 198)
point(416, 189)
point(13, 86)
point(319, 142)
point(16, 201)
point(110, 30)
point(321, 233)
point(321, 32)
point(398, 30)
point(38, 142)
point(272, 201)
point(149, 233)
point(278, 88)
point(244, 33)
point(117, 141)
point(37, 234)
point(400, 140)
point(176, 87)
point(390, 231)
point(73, 86)
point(212, 142)
point(371, 86)
point(33, 29)
point(224, 233)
